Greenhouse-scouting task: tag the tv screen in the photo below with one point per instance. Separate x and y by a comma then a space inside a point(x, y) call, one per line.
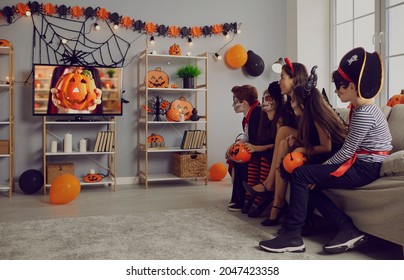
point(76, 90)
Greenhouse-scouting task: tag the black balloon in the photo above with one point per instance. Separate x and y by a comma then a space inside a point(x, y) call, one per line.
point(255, 65)
point(31, 181)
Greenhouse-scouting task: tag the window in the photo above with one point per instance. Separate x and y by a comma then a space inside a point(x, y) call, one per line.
point(377, 26)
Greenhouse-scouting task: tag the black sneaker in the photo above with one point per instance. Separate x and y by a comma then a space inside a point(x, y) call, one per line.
point(259, 206)
point(235, 208)
point(247, 205)
point(282, 244)
point(345, 240)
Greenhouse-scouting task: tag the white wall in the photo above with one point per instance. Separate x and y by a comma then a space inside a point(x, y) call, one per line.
point(308, 39)
point(263, 31)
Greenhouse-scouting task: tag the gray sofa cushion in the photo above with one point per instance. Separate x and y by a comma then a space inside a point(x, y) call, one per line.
point(396, 120)
point(393, 165)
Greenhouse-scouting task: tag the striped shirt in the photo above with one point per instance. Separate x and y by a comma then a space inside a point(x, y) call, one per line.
point(368, 130)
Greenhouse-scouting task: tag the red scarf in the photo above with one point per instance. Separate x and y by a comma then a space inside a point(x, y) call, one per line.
point(246, 119)
point(346, 165)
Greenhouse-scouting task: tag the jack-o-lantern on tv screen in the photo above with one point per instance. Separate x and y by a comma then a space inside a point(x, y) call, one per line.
point(76, 90)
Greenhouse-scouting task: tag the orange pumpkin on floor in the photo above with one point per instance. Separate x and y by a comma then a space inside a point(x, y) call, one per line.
point(174, 50)
point(157, 79)
point(77, 90)
point(396, 99)
point(178, 107)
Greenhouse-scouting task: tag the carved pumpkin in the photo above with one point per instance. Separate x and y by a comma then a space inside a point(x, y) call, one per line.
point(157, 79)
point(293, 160)
point(178, 107)
point(239, 153)
point(108, 84)
point(4, 43)
point(77, 90)
point(155, 138)
point(92, 178)
point(174, 50)
point(396, 99)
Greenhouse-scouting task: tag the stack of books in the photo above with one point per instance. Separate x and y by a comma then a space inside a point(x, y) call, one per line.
point(104, 141)
point(193, 139)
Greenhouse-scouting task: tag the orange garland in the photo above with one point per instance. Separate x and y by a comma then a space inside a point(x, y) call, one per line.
point(150, 28)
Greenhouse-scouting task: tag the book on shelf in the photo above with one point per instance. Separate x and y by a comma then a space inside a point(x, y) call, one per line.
point(193, 139)
point(97, 141)
point(104, 141)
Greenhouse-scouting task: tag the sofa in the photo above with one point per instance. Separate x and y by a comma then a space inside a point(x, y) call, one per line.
point(378, 208)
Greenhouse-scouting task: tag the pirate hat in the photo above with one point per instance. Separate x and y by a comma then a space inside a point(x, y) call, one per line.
point(364, 69)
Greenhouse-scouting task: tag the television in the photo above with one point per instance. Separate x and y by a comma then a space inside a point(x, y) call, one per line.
point(76, 91)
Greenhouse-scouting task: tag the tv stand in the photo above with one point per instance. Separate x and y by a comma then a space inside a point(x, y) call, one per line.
point(78, 119)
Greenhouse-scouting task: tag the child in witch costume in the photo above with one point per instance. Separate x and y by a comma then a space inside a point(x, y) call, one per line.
point(358, 80)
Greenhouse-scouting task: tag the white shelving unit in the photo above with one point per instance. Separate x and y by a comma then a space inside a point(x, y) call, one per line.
point(7, 118)
point(55, 130)
point(154, 164)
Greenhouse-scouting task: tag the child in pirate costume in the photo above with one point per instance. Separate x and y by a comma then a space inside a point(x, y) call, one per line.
point(358, 80)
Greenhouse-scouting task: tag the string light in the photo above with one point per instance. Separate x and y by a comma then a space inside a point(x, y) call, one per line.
point(218, 56)
point(116, 26)
point(97, 26)
point(64, 41)
point(152, 40)
point(190, 43)
point(28, 13)
point(277, 65)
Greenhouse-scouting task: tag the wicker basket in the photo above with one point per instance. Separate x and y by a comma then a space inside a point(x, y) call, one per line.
point(189, 164)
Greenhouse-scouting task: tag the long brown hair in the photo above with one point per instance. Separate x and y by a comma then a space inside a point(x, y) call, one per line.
point(317, 110)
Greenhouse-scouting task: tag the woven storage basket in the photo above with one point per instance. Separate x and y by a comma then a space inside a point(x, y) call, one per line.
point(189, 164)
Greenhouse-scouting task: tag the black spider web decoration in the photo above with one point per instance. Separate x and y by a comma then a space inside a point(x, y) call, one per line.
point(65, 41)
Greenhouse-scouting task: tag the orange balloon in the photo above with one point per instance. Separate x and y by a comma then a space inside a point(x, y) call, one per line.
point(217, 171)
point(236, 56)
point(64, 189)
point(293, 160)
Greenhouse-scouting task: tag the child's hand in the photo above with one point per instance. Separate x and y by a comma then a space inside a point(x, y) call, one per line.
point(291, 140)
point(96, 101)
point(250, 148)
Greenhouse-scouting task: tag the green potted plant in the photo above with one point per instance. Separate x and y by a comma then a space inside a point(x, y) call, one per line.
point(188, 73)
point(111, 73)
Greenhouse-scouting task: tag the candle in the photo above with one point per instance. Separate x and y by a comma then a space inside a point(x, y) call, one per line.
point(54, 147)
point(83, 146)
point(67, 143)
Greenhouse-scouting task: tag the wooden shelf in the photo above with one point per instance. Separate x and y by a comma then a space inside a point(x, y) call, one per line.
point(155, 157)
point(7, 91)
